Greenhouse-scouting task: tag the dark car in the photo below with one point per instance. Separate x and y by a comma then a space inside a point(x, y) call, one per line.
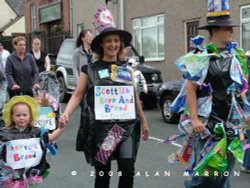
point(67, 79)
point(166, 94)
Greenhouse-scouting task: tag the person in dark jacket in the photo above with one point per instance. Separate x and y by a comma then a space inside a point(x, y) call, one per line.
point(21, 70)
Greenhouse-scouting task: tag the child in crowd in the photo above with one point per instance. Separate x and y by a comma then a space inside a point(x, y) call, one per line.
point(139, 80)
point(23, 146)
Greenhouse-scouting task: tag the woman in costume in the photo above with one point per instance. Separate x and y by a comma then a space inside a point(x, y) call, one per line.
point(114, 116)
point(215, 95)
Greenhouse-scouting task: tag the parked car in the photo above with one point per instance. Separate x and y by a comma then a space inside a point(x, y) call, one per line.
point(64, 69)
point(166, 94)
point(67, 79)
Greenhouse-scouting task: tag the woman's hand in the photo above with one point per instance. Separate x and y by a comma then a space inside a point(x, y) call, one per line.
point(144, 131)
point(198, 126)
point(15, 87)
point(36, 86)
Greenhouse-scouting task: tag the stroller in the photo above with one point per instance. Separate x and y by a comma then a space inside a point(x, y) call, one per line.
point(49, 85)
point(48, 98)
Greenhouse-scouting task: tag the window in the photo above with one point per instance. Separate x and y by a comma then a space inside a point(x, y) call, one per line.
point(245, 28)
point(191, 31)
point(148, 33)
point(33, 17)
point(71, 17)
point(80, 27)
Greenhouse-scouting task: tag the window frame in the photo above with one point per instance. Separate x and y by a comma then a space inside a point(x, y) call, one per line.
point(71, 17)
point(137, 27)
point(243, 21)
point(33, 17)
point(79, 28)
point(187, 41)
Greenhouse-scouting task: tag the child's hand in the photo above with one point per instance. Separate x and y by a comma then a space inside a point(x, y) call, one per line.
point(63, 120)
point(61, 126)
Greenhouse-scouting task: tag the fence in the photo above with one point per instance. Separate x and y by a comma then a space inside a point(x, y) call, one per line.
point(50, 42)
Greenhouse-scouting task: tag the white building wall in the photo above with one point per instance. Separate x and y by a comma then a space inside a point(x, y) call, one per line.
point(6, 13)
point(18, 27)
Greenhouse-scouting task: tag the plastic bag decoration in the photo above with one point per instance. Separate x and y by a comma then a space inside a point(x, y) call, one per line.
point(236, 119)
point(236, 148)
point(214, 162)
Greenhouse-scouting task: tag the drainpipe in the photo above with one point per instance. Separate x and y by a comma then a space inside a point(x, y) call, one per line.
point(121, 9)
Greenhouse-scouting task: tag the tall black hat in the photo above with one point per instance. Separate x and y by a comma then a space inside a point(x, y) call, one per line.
point(218, 14)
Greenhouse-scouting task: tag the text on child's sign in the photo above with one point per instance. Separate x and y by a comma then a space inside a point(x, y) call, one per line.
point(46, 118)
point(23, 153)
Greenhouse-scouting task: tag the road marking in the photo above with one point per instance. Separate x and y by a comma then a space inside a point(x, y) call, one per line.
point(74, 173)
point(160, 141)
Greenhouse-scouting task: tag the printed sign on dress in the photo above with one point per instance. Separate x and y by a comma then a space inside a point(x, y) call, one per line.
point(114, 102)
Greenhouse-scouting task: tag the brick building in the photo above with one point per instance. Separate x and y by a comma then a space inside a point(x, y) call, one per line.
point(161, 29)
point(47, 16)
point(49, 20)
point(162, 32)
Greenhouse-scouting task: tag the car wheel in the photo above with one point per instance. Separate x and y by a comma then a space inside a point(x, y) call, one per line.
point(167, 114)
point(63, 95)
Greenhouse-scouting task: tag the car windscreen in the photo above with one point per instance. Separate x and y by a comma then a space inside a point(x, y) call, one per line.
point(67, 49)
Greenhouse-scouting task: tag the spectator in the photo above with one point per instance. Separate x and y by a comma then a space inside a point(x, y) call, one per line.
point(3, 83)
point(139, 80)
point(82, 54)
point(21, 70)
point(41, 57)
point(3, 55)
point(3, 89)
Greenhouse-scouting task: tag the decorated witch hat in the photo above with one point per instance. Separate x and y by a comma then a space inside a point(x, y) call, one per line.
point(105, 25)
point(218, 14)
